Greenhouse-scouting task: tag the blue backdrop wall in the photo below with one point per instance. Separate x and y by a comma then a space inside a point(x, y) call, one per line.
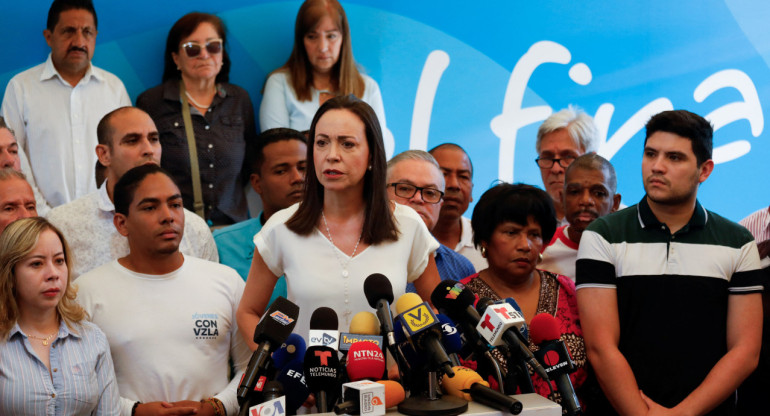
point(485, 74)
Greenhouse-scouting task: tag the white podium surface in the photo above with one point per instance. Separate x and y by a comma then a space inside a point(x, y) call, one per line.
point(533, 405)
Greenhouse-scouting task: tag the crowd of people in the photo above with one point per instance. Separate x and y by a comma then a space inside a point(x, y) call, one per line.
point(132, 277)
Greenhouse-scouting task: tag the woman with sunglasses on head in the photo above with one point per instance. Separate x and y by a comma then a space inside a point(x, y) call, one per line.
point(343, 230)
point(195, 103)
point(52, 361)
point(321, 66)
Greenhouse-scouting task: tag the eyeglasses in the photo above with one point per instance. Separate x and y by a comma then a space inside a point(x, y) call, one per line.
point(405, 190)
point(193, 49)
point(547, 163)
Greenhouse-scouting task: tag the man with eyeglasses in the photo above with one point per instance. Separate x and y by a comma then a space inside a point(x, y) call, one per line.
point(561, 138)
point(415, 179)
point(54, 107)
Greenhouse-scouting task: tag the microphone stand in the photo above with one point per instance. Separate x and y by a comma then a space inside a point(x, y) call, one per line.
point(430, 402)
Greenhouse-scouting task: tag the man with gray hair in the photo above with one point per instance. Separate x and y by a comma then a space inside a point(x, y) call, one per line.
point(415, 179)
point(590, 192)
point(12, 156)
point(561, 138)
point(16, 198)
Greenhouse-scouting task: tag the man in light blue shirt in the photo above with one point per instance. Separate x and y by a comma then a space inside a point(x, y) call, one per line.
point(277, 165)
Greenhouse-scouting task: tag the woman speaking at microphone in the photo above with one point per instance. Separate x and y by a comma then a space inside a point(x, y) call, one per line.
point(510, 223)
point(344, 229)
point(52, 361)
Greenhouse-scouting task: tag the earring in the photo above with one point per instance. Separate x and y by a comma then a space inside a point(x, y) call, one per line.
point(539, 258)
point(484, 252)
point(369, 168)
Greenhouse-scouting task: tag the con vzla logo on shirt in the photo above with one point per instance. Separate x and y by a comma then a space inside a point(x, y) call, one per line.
point(205, 325)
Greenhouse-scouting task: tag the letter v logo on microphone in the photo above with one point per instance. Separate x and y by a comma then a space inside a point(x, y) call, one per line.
point(324, 357)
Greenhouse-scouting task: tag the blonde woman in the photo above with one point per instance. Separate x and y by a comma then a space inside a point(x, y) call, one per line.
point(52, 361)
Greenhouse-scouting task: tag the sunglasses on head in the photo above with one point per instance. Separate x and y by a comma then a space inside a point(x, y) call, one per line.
point(193, 49)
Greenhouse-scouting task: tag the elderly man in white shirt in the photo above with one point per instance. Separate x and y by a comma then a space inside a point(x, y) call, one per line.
point(54, 107)
point(127, 138)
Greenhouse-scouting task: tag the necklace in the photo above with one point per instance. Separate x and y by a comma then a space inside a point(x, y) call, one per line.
point(192, 100)
point(344, 265)
point(46, 340)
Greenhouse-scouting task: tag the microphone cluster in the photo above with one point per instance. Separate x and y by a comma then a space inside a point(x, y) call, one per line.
point(346, 372)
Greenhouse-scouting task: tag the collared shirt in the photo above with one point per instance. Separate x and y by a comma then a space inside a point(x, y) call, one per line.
point(55, 123)
point(221, 136)
point(758, 225)
point(87, 224)
point(560, 255)
point(235, 245)
point(81, 380)
point(466, 248)
point(672, 291)
point(450, 265)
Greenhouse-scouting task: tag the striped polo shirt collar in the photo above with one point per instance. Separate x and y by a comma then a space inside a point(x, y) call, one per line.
point(647, 218)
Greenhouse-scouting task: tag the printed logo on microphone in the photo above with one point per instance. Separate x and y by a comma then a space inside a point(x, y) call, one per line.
point(418, 318)
point(281, 318)
point(275, 407)
point(205, 325)
point(455, 291)
point(448, 329)
point(551, 358)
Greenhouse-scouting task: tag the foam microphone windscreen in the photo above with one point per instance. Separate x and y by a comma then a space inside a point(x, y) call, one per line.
point(377, 287)
point(452, 296)
point(293, 348)
point(463, 380)
point(544, 327)
point(407, 301)
point(277, 323)
point(295, 388)
point(365, 361)
point(394, 393)
point(365, 323)
point(324, 318)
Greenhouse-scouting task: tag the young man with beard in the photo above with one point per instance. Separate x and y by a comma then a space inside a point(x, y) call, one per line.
point(668, 292)
point(277, 162)
point(590, 187)
point(169, 318)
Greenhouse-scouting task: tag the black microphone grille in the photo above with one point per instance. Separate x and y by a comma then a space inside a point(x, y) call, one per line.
point(377, 287)
point(324, 318)
point(483, 304)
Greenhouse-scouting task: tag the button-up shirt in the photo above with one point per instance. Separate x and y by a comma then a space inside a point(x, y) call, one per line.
point(221, 135)
point(55, 123)
point(81, 380)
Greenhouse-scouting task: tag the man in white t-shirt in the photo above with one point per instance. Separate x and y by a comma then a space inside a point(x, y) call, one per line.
point(590, 187)
point(452, 229)
point(127, 138)
point(169, 318)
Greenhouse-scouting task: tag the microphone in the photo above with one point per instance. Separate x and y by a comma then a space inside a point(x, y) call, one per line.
point(292, 378)
point(365, 361)
point(293, 348)
point(271, 331)
point(365, 323)
point(450, 338)
point(555, 356)
point(455, 301)
point(363, 327)
point(394, 393)
point(379, 293)
point(523, 328)
point(323, 328)
point(500, 325)
point(322, 374)
point(423, 330)
point(468, 384)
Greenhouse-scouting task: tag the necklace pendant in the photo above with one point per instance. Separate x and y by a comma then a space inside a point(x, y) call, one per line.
point(344, 273)
point(45, 342)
